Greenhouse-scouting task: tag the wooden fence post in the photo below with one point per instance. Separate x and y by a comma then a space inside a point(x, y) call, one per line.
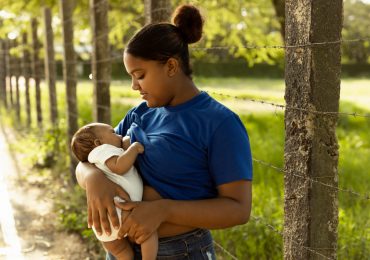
point(17, 73)
point(36, 70)
point(7, 70)
point(311, 149)
point(157, 11)
point(3, 73)
point(11, 72)
point(101, 63)
point(50, 73)
point(26, 71)
point(69, 72)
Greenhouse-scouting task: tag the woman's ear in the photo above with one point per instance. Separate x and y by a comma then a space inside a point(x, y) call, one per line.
point(172, 66)
point(97, 142)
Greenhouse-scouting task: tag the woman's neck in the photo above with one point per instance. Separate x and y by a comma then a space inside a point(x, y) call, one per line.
point(185, 90)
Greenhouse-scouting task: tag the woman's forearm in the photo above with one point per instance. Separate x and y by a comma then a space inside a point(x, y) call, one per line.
point(231, 208)
point(209, 214)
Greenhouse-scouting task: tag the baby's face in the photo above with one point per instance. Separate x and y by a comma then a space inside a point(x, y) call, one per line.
point(107, 135)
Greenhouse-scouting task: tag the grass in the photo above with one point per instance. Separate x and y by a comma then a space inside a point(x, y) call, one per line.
point(260, 238)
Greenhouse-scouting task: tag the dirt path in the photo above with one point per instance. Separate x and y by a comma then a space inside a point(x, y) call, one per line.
point(27, 221)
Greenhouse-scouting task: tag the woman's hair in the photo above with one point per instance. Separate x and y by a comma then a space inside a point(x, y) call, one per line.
point(161, 41)
point(83, 142)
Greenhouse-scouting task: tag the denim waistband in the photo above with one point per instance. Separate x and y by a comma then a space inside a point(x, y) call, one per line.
point(193, 233)
point(193, 245)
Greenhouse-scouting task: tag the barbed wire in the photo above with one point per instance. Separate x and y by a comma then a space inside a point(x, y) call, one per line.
point(264, 102)
point(115, 57)
point(312, 180)
point(310, 249)
point(224, 250)
point(280, 106)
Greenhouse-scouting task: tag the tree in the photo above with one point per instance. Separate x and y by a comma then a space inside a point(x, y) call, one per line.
point(356, 26)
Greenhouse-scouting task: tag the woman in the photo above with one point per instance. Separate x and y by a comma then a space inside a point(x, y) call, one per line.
point(197, 164)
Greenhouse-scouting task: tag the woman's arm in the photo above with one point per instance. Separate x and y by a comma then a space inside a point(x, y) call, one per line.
point(100, 192)
point(232, 207)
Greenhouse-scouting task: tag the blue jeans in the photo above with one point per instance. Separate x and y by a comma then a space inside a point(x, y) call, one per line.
point(193, 245)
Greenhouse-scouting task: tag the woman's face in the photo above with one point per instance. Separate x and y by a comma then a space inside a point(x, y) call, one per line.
point(151, 79)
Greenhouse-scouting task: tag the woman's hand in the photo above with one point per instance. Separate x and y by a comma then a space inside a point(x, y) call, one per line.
point(144, 219)
point(100, 193)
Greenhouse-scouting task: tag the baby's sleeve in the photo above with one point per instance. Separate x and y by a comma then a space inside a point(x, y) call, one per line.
point(103, 152)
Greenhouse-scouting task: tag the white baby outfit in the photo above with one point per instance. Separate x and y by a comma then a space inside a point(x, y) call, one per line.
point(129, 181)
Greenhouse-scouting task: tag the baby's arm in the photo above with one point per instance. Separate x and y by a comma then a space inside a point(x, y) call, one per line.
point(121, 164)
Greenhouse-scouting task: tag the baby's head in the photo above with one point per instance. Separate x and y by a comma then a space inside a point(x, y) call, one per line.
point(92, 135)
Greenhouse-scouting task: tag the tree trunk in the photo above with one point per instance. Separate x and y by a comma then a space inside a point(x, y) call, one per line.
point(6, 46)
point(3, 72)
point(69, 71)
point(279, 6)
point(26, 71)
point(11, 72)
point(311, 148)
point(101, 63)
point(36, 70)
point(157, 11)
point(17, 72)
point(50, 74)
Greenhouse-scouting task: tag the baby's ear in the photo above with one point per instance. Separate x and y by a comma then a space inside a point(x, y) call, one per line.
point(97, 142)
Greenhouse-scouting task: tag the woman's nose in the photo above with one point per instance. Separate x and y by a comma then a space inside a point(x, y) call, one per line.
point(135, 85)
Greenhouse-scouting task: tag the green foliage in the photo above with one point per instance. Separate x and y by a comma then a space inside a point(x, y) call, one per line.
point(356, 25)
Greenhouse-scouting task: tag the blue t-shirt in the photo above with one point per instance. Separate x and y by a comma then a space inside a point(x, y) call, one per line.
point(190, 148)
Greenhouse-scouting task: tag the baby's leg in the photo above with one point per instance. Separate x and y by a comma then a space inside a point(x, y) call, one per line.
point(149, 247)
point(120, 248)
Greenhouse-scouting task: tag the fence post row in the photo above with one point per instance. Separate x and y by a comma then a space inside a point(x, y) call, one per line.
point(3, 72)
point(69, 72)
point(312, 78)
point(26, 71)
point(6, 47)
point(17, 73)
point(50, 72)
point(101, 63)
point(36, 70)
point(10, 62)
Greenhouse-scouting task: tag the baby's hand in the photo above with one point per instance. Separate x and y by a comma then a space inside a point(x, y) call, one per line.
point(138, 146)
point(126, 141)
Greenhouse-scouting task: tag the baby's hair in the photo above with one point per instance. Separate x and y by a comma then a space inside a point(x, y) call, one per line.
point(83, 141)
point(161, 41)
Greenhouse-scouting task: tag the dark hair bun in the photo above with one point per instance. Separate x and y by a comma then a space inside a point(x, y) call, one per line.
point(189, 21)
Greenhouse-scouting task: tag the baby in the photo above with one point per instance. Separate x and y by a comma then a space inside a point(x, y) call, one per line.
point(98, 143)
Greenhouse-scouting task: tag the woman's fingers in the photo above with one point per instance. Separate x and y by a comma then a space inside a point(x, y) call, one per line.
point(141, 238)
point(123, 232)
point(122, 194)
point(96, 221)
point(112, 212)
point(127, 206)
point(89, 216)
point(104, 221)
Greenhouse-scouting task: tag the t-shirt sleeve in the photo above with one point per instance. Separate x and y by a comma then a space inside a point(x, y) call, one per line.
point(103, 152)
point(229, 152)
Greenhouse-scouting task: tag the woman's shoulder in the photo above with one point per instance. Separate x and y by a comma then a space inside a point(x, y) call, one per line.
point(216, 109)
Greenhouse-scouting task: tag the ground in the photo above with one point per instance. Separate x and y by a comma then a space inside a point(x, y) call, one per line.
point(27, 221)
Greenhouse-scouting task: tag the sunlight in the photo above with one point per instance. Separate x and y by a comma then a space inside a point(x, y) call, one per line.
point(11, 239)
